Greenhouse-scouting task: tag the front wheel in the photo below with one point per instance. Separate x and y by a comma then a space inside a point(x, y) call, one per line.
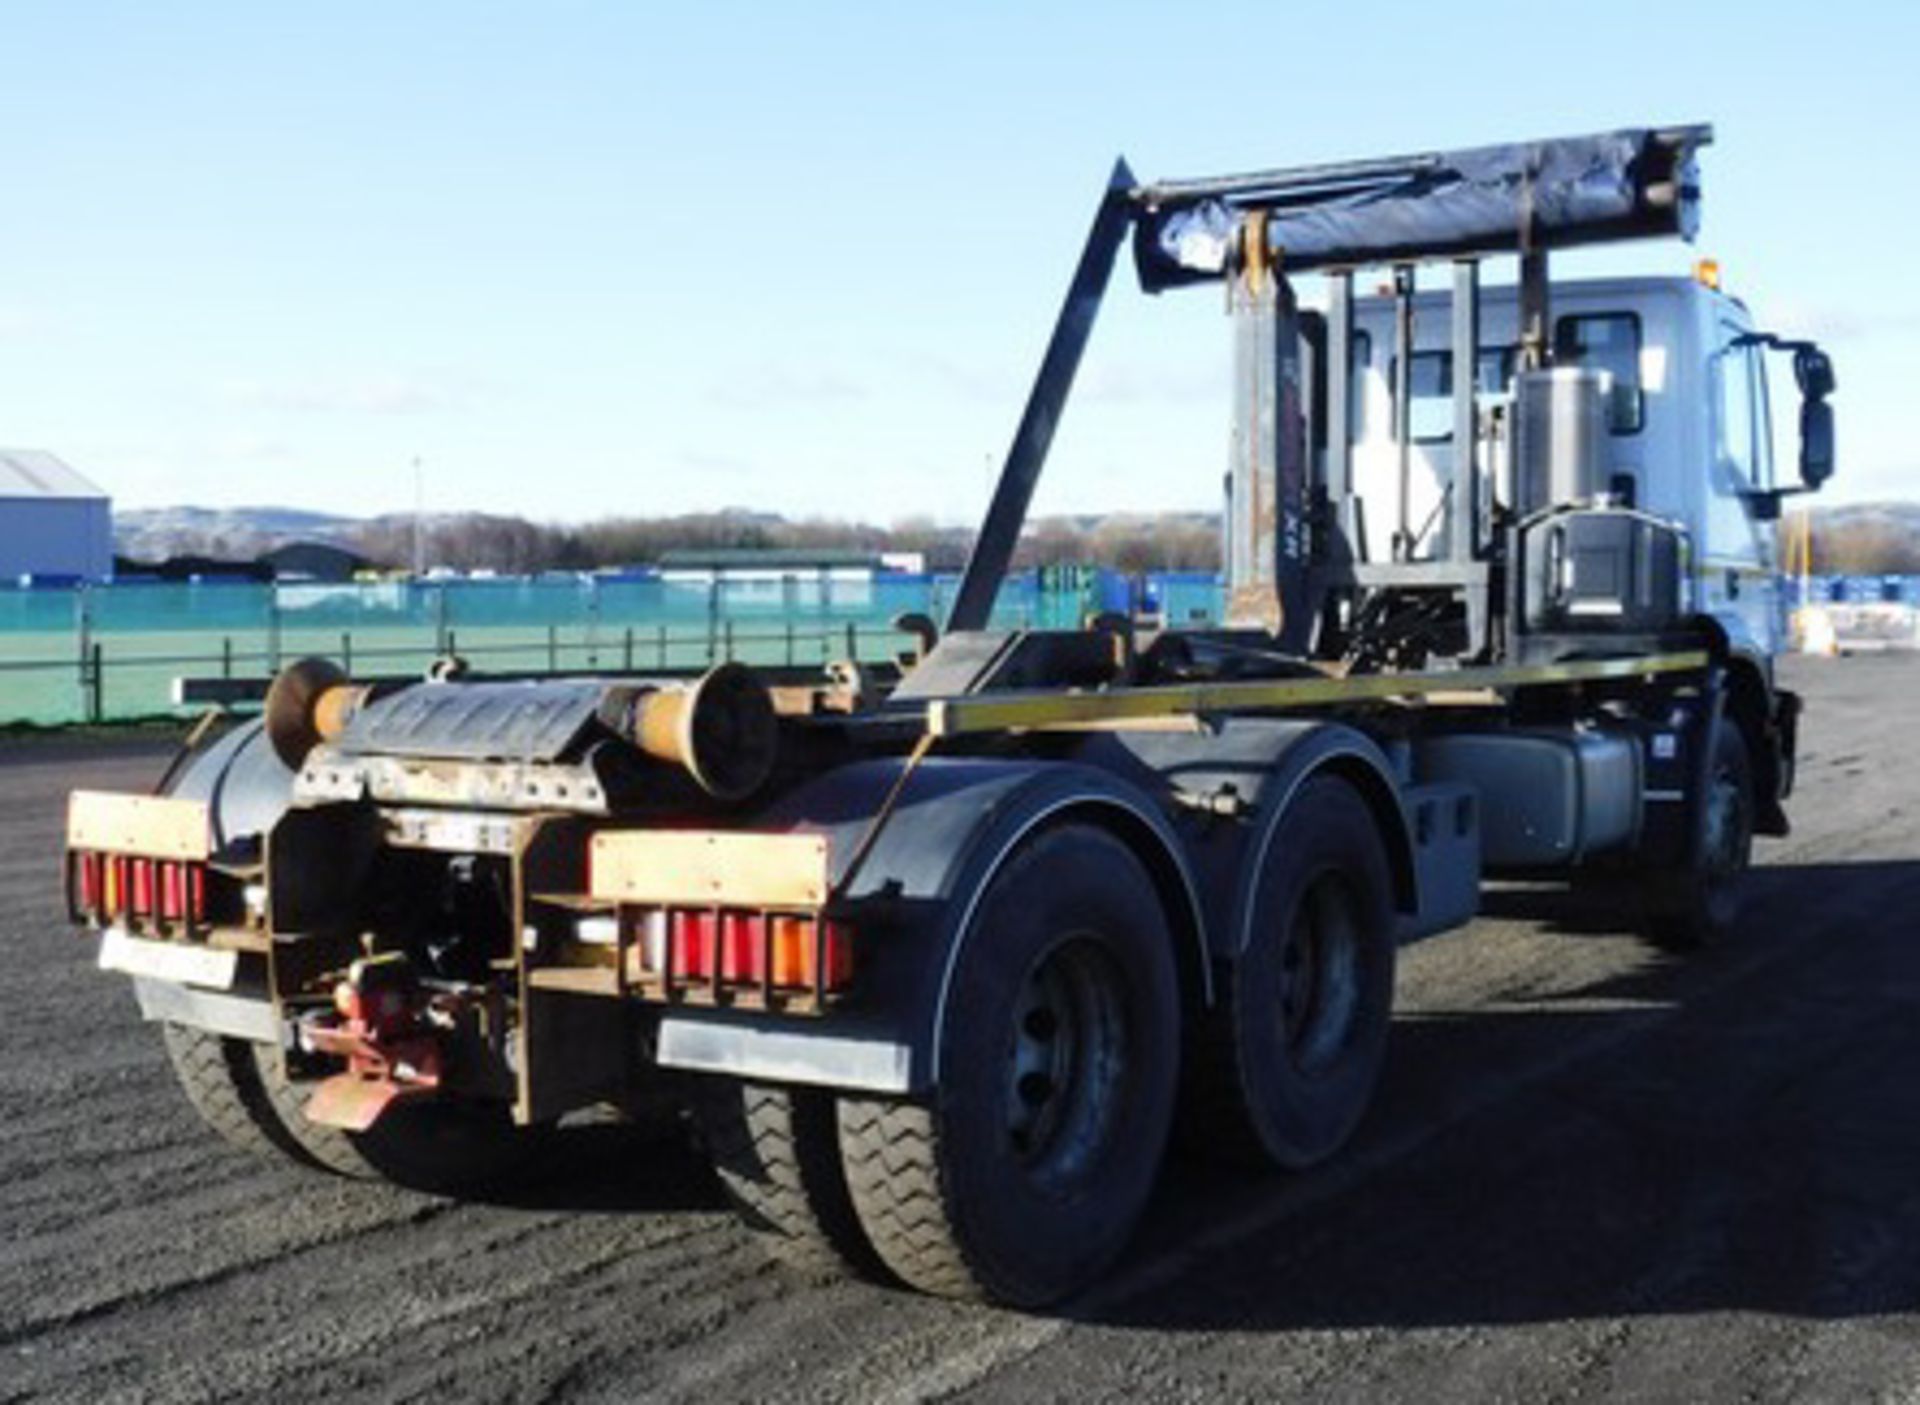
point(1699, 905)
point(1024, 1174)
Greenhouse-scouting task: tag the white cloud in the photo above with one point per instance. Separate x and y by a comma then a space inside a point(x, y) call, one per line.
point(1124, 383)
point(387, 395)
point(245, 447)
point(772, 384)
point(18, 323)
point(1839, 322)
point(702, 461)
point(954, 378)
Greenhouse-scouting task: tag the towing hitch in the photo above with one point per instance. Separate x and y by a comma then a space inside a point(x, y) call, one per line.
point(386, 1035)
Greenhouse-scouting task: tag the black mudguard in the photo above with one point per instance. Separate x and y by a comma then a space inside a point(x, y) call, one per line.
point(1258, 762)
point(244, 785)
point(954, 823)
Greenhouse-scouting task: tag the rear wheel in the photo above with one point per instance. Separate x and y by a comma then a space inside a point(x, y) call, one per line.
point(1025, 1173)
point(1699, 905)
point(1288, 1060)
point(777, 1153)
point(221, 1081)
point(241, 1090)
point(439, 1145)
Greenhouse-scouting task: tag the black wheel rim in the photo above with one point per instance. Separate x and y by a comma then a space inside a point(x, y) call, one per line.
point(1727, 825)
point(1726, 842)
point(1319, 975)
point(1067, 1064)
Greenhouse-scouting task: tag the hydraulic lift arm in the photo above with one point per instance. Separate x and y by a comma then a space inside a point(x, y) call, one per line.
point(1521, 198)
point(993, 550)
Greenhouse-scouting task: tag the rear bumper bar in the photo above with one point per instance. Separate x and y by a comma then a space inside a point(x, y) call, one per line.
point(233, 1016)
point(746, 1048)
point(694, 1043)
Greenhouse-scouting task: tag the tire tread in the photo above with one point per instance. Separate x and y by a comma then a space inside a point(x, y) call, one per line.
point(891, 1154)
point(221, 1080)
point(776, 1153)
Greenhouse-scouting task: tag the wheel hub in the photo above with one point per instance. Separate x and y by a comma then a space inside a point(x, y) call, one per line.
point(1319, 975)
point(1724, 825)
point(1066, 1062)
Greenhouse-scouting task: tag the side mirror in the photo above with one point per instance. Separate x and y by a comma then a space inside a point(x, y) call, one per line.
point(1813, 369)
point(1816, 440)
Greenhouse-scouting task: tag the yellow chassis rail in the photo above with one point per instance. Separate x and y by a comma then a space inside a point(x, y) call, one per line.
point(1039, 711)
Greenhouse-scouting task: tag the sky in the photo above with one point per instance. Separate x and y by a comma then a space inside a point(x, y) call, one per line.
point(581, 259)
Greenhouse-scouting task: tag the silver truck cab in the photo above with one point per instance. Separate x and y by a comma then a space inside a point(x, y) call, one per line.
point(1691, 437)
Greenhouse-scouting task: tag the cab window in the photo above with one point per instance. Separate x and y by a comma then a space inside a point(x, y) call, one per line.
point(1735, 406)
point(1609, 341)
point(1431, 397)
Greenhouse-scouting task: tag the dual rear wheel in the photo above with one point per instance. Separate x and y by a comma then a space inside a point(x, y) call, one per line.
point(244, 1092)
point(1021, 1176)
point(1286, 1063)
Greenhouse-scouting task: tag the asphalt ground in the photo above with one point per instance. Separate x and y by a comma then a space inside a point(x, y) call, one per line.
point(1594, 1172)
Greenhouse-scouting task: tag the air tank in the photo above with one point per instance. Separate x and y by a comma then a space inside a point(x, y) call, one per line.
point(1560, 423)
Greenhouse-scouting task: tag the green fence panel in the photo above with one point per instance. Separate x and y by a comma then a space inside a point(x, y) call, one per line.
point(146, 634)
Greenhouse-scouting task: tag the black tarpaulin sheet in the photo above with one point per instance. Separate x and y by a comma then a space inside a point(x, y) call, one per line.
point(1567, 191)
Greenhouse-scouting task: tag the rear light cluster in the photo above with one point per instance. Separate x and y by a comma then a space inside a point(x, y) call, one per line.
point(728, 952)
point(134, 891)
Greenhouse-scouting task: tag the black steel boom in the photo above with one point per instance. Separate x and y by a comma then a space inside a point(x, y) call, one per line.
point(993, 550)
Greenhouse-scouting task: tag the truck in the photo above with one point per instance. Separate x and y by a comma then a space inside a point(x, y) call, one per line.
point(940, 955)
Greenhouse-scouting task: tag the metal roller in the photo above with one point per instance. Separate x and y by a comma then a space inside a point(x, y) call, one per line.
point(721, 728)
point(309, 701)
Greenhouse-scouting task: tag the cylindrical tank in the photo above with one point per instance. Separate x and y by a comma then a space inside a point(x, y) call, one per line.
point(1560, 420)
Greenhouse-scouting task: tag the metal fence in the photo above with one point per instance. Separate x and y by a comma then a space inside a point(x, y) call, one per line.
point(112, 652)
point(1856, 590)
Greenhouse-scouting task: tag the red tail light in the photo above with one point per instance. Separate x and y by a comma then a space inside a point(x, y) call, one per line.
point(172, 892)
point(743, 947)
point(127, 888)
point(836, 946)
point(89, 879)
point(690, 945)
point(143, 887)
point(734, 953)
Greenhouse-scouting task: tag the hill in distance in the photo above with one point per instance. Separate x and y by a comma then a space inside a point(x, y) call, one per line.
point(154, 533)
point(1849, 538)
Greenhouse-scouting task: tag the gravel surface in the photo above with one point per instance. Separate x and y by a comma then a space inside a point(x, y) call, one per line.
point(1594, 1172)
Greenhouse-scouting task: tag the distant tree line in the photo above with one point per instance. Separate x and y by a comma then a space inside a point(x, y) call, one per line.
point(1866, 545)
point(512, 545)
point(1861, 540)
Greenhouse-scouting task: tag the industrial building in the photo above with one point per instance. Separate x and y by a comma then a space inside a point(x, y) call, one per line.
point(313, 561)
point(54, 524)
